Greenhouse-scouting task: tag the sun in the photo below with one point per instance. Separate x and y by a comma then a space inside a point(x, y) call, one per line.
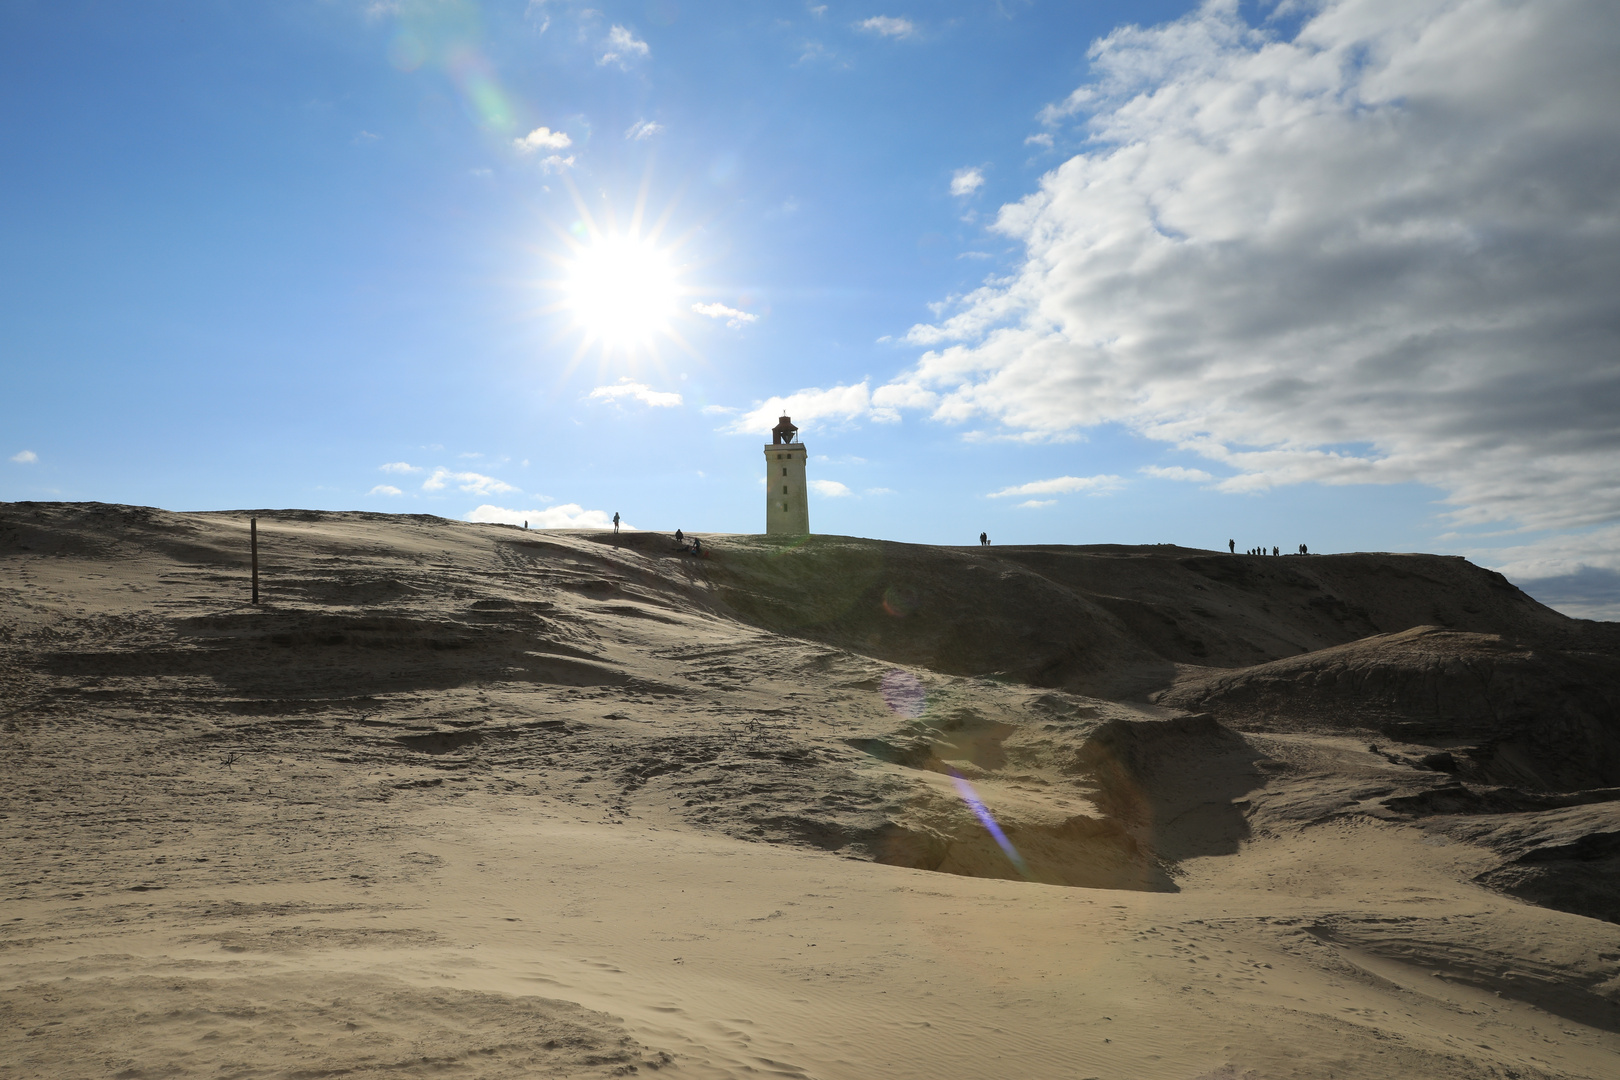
point(621, 291)
point(619, 285)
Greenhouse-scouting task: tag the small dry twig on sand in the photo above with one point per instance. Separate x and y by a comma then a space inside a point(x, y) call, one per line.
point(231, 759)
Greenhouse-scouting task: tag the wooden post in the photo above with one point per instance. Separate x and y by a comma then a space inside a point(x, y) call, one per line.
point(253, 543)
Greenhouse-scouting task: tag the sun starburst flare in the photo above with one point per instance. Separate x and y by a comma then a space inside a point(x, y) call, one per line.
point(622, 291)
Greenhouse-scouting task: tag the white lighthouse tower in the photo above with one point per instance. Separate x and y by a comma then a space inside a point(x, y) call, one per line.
point(787, 500)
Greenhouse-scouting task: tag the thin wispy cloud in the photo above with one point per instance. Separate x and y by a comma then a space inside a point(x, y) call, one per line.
point(624, 390)
point(470, 482)
point(1064, 485)
point(966, 181)
point(888, 26)
point(733, 317)
point(643, 129)
point(400, 467)
point(815, 52)
point(1175, 472)
point(622, 47)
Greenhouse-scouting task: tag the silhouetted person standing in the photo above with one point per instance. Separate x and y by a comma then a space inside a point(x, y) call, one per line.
point(615, 522)
point(1231, 545)
point(680, 537)
point(984, 539)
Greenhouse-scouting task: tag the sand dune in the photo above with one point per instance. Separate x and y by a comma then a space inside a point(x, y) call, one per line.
point(467, 800)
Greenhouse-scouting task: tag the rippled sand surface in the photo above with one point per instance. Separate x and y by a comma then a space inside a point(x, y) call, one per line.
point(462, 800)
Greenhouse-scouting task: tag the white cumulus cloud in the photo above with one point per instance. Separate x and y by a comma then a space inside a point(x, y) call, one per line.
point(624, 388)
point(733, 317)
point(1064, 485)
point(566, 516)
point(966, 181)
point(841, 404)
point(471, 482)
point(385, 489)
point(1382, 249)
point(887, 26)
point(25, 457)
point(829, 487)
point(400, 467)
point(542, 138)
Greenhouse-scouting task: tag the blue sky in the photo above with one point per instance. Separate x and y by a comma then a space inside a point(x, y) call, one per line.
point(1328, 273)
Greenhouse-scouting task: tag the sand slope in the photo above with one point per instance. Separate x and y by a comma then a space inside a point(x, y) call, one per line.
point(460, 799)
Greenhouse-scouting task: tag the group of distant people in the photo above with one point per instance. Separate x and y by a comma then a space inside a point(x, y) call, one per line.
point(1231, 545)
point(692, 547)
point(695, 546)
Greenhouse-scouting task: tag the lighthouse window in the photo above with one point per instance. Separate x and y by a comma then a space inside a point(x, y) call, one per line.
point(784, 489)
point(784, 470)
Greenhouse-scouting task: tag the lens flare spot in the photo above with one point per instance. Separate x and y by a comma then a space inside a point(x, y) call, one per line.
point(903, 693)
point(407, 52)
point(899, 602)
point(982, 812)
